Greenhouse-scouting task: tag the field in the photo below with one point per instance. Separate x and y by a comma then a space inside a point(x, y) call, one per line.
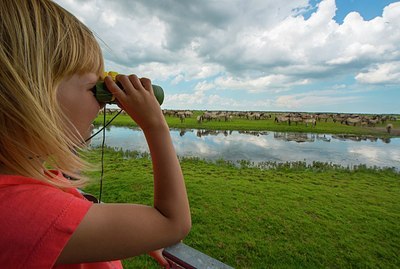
point(238, 123)
point(289, 216)
point(292, 215)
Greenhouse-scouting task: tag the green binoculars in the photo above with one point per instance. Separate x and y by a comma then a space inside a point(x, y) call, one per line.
point(103, 95)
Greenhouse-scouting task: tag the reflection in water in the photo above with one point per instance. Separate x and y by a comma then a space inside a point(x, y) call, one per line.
point(358, 138)
point(346, 150)
point(201, 133)
point(296, 137)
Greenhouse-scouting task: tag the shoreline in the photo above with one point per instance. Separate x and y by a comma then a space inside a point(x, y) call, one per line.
point(261, 126)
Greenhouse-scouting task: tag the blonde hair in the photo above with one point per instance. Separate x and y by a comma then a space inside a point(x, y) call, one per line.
point(41, 44)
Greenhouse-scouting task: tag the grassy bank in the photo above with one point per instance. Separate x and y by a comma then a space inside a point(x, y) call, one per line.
point(291, 216)
point(242, 124)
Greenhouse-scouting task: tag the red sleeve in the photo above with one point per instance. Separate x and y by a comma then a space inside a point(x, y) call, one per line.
point(36, 221)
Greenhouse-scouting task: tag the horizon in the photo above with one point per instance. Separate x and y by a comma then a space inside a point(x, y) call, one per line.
point(272, 111)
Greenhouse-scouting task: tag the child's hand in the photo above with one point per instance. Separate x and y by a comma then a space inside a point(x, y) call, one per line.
point(138, 100)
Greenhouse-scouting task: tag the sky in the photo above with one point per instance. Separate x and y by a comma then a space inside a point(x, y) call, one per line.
point(255, 55)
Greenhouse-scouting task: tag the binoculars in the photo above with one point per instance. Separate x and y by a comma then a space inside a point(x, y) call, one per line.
point(103, 95)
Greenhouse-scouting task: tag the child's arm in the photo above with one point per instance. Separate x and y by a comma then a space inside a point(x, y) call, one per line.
point(116, 231)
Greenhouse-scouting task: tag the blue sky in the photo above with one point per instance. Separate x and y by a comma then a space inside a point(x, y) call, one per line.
point(269, 55)
point(368, 9)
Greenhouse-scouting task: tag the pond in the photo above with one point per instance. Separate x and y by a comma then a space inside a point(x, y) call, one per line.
point(260, 147)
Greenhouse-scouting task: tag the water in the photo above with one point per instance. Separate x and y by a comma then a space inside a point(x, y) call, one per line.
point(267, 146)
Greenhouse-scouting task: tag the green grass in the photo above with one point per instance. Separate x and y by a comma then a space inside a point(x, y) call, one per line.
point(289, 216)
point(241, 124)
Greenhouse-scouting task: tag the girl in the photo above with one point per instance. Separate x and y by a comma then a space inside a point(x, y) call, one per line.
point(49, 62)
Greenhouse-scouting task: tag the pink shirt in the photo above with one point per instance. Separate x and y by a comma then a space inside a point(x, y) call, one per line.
point(36, 222)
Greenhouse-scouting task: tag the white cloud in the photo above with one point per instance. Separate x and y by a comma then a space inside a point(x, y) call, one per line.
point(385, 73)
point(311, 99)
point(184, 100)
point(391, 14)
point(256, 45)
point(252, 37)
point(204, 86)
point(269, 83)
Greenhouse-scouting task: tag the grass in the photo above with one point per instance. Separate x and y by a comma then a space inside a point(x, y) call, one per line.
point(288, 216)
point(241, 124)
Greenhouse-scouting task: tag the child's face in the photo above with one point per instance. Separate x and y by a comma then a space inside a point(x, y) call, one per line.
point(78, 103)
